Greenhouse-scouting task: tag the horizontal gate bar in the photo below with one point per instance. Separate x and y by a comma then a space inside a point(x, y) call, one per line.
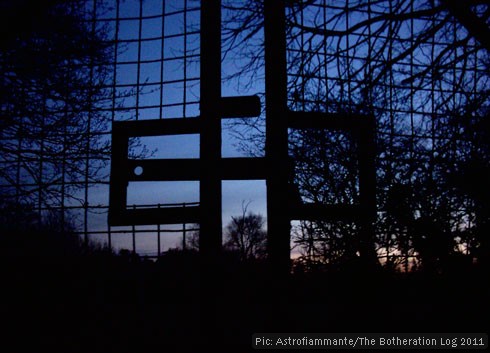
point(157, 127)
point(165, 215)
point(163, 169)
point(190, 169)
point(240, 107)
point(323, 212)
point(244, 168)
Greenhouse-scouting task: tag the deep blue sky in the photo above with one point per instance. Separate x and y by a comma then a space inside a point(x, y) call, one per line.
point(151, 70)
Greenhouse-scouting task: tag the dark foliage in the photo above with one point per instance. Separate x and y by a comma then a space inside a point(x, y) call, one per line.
point(410, 64)
point(245, 235)
point(55, 74)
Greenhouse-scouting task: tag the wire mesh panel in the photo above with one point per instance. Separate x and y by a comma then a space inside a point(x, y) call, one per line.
point(420, 68)
point(141, 61)
point(424, 77)
point(157, 62)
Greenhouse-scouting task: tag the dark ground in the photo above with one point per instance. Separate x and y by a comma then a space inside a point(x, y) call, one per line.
point(112, 304)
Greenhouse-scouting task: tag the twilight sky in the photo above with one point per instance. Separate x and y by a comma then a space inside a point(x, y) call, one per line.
point(169, 89)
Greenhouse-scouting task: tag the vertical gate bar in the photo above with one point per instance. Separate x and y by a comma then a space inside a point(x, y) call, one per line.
point(278, 223)
point(118, 187)
point(210, 237)
point(159, 241)
point(367, 190)
point(210, 149)
point(133, 235)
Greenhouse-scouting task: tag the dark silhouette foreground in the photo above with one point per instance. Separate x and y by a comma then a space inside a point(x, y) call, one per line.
point(100, 302)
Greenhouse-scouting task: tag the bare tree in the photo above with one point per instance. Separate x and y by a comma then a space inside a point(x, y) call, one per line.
point(246, 235)
point(191, 241)
point(54, 95)
point(420, 67)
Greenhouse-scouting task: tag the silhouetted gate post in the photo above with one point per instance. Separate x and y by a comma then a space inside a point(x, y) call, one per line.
point(211, 169)
point(276, 144)
point(210, 238)
point(281, 210)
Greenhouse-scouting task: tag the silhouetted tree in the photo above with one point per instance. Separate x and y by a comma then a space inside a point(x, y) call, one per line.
point(26, 236)
point(192, 240)
point(326, 172)
point(469, 176)
point(55, 74)
point(410, 64)
point(245, 234)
